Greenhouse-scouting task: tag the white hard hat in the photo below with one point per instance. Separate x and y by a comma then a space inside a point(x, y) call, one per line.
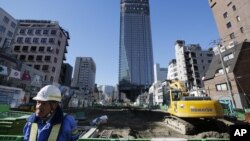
point(49, 93)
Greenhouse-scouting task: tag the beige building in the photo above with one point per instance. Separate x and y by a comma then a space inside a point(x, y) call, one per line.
point(236, 64)
point(233, 19)
point(42, 45)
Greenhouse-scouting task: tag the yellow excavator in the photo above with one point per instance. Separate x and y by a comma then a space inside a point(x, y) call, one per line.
point(182, 107)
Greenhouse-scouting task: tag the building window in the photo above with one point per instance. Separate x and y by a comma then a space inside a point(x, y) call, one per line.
point(35, 40)
point(37, 67)
point(55, 60)
point(228, 57)
point(30, 31)
point(2, 29)
point(209, 55)
point(31, 57)
point(221, 87)
point(17, 48)
point(45, 32)
point(22, 57)
point(232, 36)
point(33, 49)
point(241, 30)
point(229, 25)
point(53, 69)
point(57, 51)
point(10, 34)
point(13, 25)
point(19, 39)
point(41, 49)
point(22, 31)
point(51, 78)
point(238, 18)
point(234, 8)
point(27, 40)
point(229, 3)
point(45, 67)
point(225, 15)
point(53, 32)
point(49, 49)
point(6, 19)
point(59, 43)
point(44, 40)
point(25, 48)
point(38, 32)
point(51, 40)
point(47, 58)
point(39, 58)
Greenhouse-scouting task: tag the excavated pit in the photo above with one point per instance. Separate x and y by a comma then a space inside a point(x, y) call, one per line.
point(138, 123)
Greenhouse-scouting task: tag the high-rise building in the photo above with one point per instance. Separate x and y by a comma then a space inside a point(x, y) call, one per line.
point(41, 44)
point(160, 74)
point(192, 63)
point(135, 52)
point(232, 19)
point(7, 29)
point(84, 74)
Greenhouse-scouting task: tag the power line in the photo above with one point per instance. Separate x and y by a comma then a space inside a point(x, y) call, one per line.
point(218, 43)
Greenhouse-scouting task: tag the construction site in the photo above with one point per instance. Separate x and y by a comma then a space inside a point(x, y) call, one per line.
point(123, 123)
point(184, 117)
point(132, 123)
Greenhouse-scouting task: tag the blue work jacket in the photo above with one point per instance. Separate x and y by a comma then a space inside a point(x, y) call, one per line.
point(68, 130)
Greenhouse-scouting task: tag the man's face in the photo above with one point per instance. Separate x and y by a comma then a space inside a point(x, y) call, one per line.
point(43, 109)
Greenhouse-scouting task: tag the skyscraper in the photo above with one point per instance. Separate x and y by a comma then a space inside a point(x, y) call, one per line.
point(135, 52)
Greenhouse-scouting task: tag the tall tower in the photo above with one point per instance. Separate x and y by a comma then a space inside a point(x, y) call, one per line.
point(135, 52)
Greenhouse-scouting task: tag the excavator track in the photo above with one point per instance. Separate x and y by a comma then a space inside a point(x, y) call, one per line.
point(179, 125)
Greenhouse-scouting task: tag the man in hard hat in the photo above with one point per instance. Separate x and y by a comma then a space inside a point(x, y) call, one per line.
point(49, 123)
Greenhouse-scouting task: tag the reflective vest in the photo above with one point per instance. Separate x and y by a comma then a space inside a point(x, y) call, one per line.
point(53, 134)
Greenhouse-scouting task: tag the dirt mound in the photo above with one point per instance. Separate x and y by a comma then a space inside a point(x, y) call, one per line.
point(137, 123)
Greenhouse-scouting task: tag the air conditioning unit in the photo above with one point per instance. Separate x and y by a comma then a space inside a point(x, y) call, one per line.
point(231, 44)
point(222, 49)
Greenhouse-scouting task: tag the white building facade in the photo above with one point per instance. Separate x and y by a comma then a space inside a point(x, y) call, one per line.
point(41, 44)
point(84, 74)
point(172, 70)
point(192, 63)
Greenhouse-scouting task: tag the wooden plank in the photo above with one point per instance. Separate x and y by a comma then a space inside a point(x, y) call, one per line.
point(89, 133)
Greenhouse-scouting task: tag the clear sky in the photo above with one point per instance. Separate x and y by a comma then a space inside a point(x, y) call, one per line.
point(94, 27)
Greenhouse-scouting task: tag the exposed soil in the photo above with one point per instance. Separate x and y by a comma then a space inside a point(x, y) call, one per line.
point(131, 123)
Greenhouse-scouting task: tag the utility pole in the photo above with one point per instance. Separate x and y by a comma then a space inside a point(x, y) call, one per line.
point(226, 75)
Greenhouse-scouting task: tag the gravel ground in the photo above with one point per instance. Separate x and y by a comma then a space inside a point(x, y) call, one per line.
point(127, 123)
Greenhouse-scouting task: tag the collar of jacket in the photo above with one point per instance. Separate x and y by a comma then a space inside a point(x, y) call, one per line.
point(57, 117)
